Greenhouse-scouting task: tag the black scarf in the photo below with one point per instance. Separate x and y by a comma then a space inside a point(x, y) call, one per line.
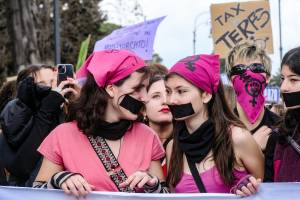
point(197, 145)
point(112, 131)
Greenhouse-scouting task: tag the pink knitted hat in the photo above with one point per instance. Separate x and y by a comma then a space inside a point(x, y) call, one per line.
point(110, 66)
point(201, 70)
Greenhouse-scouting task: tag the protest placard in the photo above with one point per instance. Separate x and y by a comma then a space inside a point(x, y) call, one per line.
point(238, 22)
point(138, 38)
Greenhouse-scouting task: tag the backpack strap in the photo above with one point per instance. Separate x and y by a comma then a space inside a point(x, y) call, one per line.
point(196, 176)
point(293, 143)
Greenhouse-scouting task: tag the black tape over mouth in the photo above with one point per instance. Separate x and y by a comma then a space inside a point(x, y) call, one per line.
point(183, 110)
point(131, 104)
point(291, 99)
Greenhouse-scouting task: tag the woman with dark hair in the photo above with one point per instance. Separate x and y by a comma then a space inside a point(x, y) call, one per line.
point(28, 119)
point(211, 150)
point(287, 151)
point(157, 113)
point(102, 148)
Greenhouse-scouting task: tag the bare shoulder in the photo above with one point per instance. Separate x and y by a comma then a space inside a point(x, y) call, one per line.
point(248, 154)
point(241, 136)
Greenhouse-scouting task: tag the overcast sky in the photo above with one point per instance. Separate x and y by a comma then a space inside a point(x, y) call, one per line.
point(174, 38)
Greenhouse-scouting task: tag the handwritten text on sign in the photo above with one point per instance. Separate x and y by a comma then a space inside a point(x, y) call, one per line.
point(234, 23)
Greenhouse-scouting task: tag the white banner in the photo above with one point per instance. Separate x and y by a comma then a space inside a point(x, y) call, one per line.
point(267, 191)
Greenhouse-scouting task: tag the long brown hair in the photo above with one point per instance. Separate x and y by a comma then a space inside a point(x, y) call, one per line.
point(223, 153)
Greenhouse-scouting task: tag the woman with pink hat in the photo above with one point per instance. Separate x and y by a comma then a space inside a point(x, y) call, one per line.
point(101, 147)
point(211, 150)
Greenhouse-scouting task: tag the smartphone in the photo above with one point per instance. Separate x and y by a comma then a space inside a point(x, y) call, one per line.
point(64, 71)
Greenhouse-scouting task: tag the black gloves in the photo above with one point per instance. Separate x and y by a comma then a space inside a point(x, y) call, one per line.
point(31, 93)
point(26, 92)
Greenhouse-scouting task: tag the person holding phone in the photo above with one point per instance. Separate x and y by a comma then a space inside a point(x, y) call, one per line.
point(28, 119)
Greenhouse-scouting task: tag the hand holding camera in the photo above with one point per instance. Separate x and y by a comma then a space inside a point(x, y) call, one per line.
point(67, 86)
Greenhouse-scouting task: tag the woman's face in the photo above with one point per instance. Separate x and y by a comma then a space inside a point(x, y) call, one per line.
point(46, 77)
point(134, 86)
point(181, 91)
point(157, 109)
point(290, 81)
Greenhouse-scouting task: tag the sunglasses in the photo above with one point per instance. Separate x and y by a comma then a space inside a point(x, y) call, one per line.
point(241, 69)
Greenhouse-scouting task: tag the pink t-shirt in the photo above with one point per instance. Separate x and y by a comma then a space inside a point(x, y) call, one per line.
point(70, 148)
point(211, 179)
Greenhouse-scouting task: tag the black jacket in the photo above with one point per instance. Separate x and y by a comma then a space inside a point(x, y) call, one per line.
point(3, 180)
point(23, 131)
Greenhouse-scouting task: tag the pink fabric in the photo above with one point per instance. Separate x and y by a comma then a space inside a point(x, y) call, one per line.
point(70, 148)
point(287, 162)
point(110, 66)
point(249, 89)
point(276, 169)
point(201, 70)
point(211, 180)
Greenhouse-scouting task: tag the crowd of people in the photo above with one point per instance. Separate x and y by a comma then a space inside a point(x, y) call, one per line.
point(134, 127)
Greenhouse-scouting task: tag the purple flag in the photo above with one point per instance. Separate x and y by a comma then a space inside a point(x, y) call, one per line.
point(138, 38)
